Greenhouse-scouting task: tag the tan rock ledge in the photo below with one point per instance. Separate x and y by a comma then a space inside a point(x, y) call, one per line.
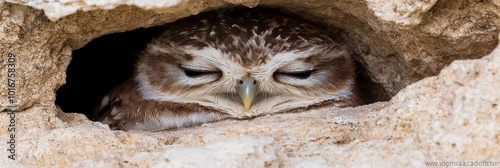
point(440, 60)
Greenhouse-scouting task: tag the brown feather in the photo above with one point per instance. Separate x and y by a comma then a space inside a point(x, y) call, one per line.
point(247, 38)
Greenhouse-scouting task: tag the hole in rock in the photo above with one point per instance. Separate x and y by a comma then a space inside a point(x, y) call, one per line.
point(108, 61)
point(99, 66)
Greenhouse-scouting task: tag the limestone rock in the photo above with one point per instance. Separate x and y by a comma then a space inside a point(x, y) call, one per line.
point(241, 152)
point(401, 12)
point(451, 116)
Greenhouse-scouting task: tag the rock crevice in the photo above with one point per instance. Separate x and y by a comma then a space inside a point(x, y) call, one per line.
point(439, 59)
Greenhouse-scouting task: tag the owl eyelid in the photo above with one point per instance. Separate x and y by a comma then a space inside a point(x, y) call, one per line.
point(302, 74)
point(195, 73)
point(198, 68)
point(294, 70)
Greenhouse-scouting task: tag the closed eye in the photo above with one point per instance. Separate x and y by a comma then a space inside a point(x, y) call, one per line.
point(297, 75)
point(196, 73)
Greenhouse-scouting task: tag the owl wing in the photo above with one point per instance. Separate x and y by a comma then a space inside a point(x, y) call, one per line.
point(107, 112)
point(117, 107)
point(124, 108)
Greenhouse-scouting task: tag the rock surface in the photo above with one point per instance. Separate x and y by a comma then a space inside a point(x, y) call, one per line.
point(453, 116)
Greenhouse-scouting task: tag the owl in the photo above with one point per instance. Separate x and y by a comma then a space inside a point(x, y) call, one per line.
point(233, 64)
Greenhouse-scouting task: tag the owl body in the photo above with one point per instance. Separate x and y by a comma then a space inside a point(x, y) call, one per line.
point(237, 64)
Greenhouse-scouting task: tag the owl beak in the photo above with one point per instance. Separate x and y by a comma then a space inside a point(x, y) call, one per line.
point(247, 91)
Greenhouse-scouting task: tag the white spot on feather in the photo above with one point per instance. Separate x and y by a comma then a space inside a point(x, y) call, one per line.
point(114, 111)
point(104, 102)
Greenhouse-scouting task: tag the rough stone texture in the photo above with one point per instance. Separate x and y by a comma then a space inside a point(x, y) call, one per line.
point(452, 116)
point(241, 152)
point(401, 12)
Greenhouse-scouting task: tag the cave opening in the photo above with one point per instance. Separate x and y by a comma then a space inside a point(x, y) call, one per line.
point(99, 66)
point(107, 61)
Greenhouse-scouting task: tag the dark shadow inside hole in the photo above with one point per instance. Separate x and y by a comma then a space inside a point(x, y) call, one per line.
point(99, 66)
point(371, 91)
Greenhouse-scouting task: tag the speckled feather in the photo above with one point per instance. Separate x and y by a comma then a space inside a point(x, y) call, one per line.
point(250, 37)
point(124, 107)
point(254, 43)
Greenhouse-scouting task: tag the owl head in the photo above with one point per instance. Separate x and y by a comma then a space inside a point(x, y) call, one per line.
point(246, 64)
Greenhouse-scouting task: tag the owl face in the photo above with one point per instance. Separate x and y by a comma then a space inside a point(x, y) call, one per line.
point(245, 65)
